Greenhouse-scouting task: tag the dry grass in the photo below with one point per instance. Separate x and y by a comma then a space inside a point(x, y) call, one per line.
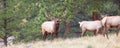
point(81, 42)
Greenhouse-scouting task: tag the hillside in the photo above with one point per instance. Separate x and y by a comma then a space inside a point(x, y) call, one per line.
point(81, 42)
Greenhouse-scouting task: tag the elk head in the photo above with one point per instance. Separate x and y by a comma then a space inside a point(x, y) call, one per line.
point(57, 21)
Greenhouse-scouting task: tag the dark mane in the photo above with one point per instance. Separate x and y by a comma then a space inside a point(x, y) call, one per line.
point(56, 25)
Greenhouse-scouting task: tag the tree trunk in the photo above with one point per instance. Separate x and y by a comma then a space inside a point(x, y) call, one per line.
point(5, 22)
point(4, 5)
point(67, 27)
point(5, 40)
point(6, 34)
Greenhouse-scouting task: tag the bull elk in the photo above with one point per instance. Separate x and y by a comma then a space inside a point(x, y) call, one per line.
point(50, 27)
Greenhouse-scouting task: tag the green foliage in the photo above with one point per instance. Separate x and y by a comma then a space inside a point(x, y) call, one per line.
point(1, 33)
point(110, 8)
point(14, 33)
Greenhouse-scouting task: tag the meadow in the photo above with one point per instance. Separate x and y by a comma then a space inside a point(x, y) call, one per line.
point(98, 41)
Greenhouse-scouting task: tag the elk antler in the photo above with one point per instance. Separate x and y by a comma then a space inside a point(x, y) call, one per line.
point(64, 15)
point(47, 17)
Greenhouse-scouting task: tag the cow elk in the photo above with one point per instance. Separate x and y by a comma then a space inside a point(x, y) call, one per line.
point(90, 26)
point(111, 21)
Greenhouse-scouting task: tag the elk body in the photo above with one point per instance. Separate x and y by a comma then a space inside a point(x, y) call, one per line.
point(90, 26)
point(111, 21)
point(50, 27)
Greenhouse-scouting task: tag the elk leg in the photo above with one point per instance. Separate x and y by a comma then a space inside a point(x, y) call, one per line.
point(83, 32)
point(107, 31)
point(100, 31)
point(52, 35)
point(104, 32)
point(44, 36)
point(96, 32)
point(56, 35)
point(117, 30)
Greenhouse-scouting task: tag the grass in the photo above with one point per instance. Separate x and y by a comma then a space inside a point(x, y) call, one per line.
point(81, 42)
